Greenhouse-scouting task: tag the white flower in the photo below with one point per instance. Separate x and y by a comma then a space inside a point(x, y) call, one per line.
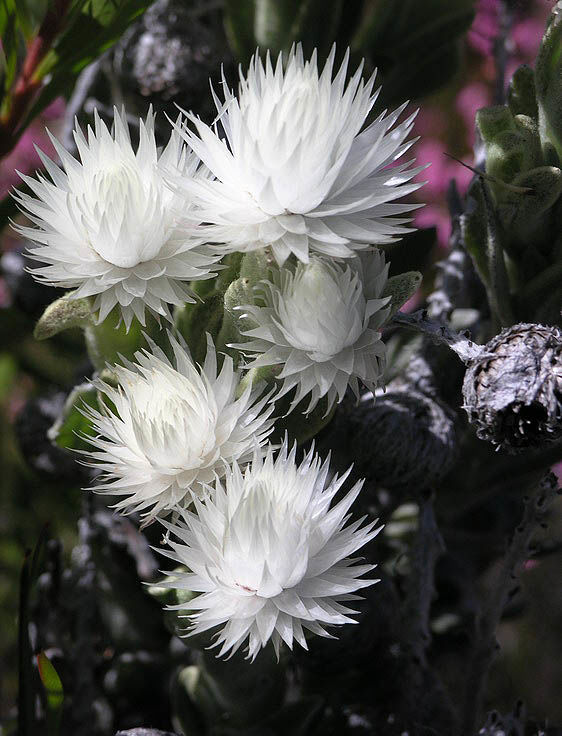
point(109, 224)
point(321, 323)
point(268, 554)
point(175, 427)
point(300, 170)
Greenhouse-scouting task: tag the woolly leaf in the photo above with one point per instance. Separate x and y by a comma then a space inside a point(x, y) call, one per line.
point(63, 314)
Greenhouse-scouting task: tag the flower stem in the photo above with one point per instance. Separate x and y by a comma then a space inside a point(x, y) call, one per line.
point(498, 288)
point(427, 548)
point(440, 332)
point(485, 645)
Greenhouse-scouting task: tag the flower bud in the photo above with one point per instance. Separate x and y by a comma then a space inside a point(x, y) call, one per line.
point(522, 94)
point(406, 439)
point(513, 390)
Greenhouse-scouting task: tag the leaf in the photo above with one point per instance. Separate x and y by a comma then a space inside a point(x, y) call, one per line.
point(8, 375)
point(239, 24)
point(63, 314)
point(548, 72)
point(94, 27)
point(400, 288)
point(70, 430)
point(29, 572)
point(9, 32)
point(54, 692)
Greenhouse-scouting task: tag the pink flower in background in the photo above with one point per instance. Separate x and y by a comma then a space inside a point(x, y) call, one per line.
point(485, 27)
point(446, 123)
point(470, 99)
point(24, 157)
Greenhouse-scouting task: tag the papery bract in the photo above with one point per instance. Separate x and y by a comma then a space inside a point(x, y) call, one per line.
point(299, 169)
point(269, 555)
point(173, 427)
point(320, 323)
point(109, 226)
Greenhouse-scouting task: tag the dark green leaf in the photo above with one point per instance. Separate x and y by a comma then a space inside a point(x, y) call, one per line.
point(239, 26)
point(94, 27)
point(10, 42)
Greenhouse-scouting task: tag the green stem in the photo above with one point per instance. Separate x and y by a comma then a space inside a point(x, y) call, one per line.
point(485, 645)
point(25, 694)
point(498, 289)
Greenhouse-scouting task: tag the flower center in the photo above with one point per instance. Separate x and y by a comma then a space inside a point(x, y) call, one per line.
point(123, 214)
point(272, 554)
point(318, 317)
point(173, 421)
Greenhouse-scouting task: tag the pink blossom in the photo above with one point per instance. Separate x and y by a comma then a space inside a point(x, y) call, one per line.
point(469, 100)
point(24, 157)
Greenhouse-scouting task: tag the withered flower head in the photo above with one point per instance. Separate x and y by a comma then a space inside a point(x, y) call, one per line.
point(513, 390)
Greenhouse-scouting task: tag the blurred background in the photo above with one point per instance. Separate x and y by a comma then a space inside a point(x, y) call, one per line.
point(448, 65)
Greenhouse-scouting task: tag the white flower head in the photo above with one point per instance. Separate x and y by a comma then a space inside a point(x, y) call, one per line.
point(176, 427)
point(321, 323)
point(299, 169)
point(109, 225)
point(269, 555)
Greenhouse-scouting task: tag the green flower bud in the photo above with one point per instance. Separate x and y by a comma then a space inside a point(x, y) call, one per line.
point(507, 155)
point(491, 121)
point(525, 214)
point(522, 95)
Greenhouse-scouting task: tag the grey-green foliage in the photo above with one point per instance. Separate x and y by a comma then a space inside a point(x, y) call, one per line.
point(523, 145)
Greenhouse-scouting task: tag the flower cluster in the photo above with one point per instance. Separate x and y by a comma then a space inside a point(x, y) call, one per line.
point(302, 171)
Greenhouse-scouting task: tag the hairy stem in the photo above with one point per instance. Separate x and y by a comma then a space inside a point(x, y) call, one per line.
point(440, 332)
point(485, 645)
point(498, 290)
point(427, 548)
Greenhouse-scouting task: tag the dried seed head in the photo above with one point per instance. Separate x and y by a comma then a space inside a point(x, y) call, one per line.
point(513, 391)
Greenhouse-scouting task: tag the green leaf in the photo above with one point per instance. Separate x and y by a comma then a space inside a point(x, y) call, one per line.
point(239, 293)
point(95, 25)
point(54, 693)
point(239, 26)
point(548, 75)
point(8, 375)
point(106, 342)
point(491, 121)
point(63, 314)
point(400, 288)
point(275, 25)
point(9, 32)
point(29, 572)
point(194, 321)
point(70, 430)
point(414, 45)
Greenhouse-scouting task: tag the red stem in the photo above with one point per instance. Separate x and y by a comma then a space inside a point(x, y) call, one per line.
point(26, 86)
